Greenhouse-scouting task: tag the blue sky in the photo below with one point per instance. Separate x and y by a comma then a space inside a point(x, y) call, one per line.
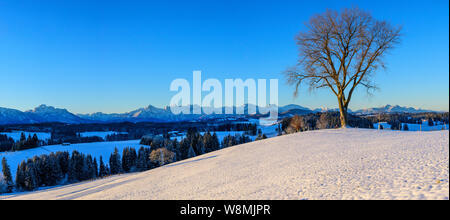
point(116, 56)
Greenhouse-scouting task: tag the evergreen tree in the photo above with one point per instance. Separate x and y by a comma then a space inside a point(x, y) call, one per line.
point(7, 175)
point(34, 141)
point(52, 170)
point(405, 127)
point(215, 142)
point(430, 122)
point(20, 175)
point(76, 167)
point(129, 158)
point(114, 162)
point(103, 170)
point(95, 168)
point(30, 182)
point(191, 152)
point(63, 160)
point(142, 160)
point(89, 168)
point(22, 137)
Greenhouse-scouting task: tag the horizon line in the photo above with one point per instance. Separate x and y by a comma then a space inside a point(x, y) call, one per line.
point(164, 107)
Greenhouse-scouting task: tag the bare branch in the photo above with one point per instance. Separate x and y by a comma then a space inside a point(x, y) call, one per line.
point(342, 50)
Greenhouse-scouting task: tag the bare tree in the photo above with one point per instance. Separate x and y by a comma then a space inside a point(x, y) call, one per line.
point(340, 51)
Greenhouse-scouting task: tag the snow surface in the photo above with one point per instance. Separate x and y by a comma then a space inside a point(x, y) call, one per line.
point(101, 134)
point(325, 164)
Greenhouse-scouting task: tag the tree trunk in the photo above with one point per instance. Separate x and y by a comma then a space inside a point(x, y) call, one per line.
point(343, 118)
point(343, 112)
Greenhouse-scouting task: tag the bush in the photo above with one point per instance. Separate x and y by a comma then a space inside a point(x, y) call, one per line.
point(326, 120)
point(162, 156)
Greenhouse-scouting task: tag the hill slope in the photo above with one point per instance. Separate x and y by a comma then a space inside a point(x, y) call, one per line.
point(325, 164)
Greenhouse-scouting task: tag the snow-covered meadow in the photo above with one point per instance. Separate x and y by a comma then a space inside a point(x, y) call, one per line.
point(101, 134)
point(323, 164)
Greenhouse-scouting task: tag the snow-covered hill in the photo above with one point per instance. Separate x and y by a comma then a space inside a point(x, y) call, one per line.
point(325, 164)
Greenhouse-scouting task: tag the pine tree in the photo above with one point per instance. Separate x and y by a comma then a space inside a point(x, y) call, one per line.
point(114, 162)
point(191, 153)
point(63, 160)
point(215, 142)
point(7, 175)
point(129, 158)
point(20, 175)
point(30, 182)
point(35, 141)
point(89, 168)
point(142, 163)
point(95, 168)
point(405, 127)
point(22, 137)
point(76, 167)
point(103, 170)
point(53, 169)
point(430, 122)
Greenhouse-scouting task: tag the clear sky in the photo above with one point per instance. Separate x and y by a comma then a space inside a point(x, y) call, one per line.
point(116, 56)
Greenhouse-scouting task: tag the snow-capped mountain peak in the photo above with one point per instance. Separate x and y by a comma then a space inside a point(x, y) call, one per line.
point(44, 113)
point(390, 109)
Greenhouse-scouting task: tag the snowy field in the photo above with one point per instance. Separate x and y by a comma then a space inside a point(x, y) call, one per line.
point(16, 135)
point(98, 149)
point(101, 134)
point(324, 164)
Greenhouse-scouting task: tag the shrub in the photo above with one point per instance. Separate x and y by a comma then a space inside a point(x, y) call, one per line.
point(162, 156)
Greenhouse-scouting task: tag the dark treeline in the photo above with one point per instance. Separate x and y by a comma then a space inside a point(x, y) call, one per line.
point(249, 128)
point(58, 168)
point(8, 144)
point(194, 143)
point(64, 133)
point(324, 120)
point(431, 118)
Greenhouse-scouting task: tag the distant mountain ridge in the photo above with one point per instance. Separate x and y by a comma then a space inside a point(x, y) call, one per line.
point(390, 109)
point(40, 114)
point(44, 113)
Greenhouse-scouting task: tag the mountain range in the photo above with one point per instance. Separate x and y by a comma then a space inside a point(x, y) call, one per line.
point(44, 113)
